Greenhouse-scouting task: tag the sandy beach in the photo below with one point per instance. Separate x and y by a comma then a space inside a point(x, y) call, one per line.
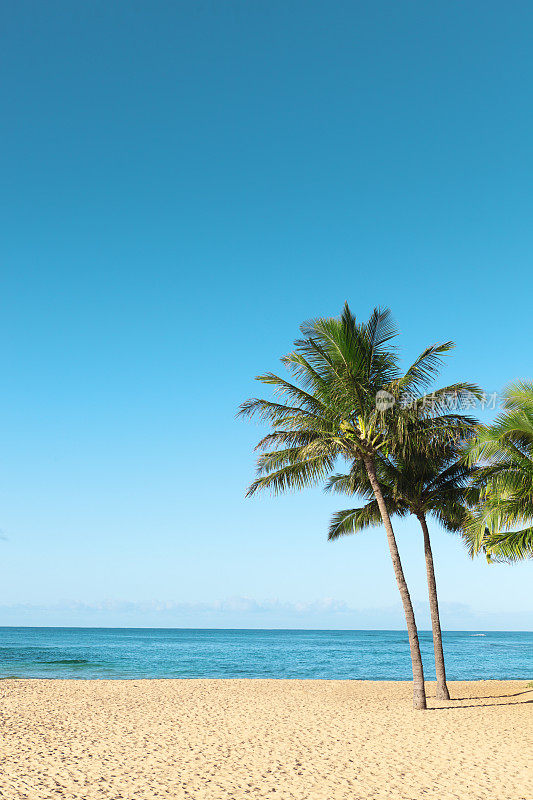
point(217, 739)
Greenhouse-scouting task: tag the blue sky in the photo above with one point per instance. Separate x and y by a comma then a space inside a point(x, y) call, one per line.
point(182, 185)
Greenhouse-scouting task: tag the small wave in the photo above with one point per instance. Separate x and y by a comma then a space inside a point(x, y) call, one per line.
point(479, 634)
point(68, 661)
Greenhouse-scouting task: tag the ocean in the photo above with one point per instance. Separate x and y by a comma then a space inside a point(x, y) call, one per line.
point(189, 653)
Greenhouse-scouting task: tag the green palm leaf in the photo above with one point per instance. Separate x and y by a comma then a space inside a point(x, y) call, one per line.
point(501, 520)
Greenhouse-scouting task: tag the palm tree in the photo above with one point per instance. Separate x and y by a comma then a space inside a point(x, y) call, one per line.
point(501, 524)
point(432, 482)
point(347, 401)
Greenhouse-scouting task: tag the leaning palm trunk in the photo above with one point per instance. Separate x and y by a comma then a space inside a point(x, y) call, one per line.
point(442, 688)
point(419, 691)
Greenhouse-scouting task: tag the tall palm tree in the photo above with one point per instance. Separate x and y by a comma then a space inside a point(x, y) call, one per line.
point(502, 520)
point(432, 482)
point(347, 401)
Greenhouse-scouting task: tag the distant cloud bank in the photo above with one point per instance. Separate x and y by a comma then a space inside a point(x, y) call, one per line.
point(246, 612)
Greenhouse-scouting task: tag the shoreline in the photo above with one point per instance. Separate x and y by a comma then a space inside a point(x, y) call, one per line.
point(428, 682)
point(297, 739)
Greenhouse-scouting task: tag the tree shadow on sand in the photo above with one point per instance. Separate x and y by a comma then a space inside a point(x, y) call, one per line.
point(495, 696)
point(502, 697)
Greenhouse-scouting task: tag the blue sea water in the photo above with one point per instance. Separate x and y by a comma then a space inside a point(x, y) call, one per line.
point(187, 653)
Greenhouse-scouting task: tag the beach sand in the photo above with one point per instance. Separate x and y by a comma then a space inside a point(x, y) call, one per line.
point(219, 739)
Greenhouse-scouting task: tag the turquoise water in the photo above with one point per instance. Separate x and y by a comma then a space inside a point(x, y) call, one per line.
point(185, 653)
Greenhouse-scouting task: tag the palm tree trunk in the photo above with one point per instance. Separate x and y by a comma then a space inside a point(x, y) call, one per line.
point(419, 692)
point(442, 688)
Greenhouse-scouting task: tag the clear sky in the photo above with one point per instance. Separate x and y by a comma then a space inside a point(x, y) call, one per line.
point(183, 183)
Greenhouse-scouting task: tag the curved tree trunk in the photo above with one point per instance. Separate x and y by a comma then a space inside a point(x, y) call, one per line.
point(442, 688)
point(419, 692)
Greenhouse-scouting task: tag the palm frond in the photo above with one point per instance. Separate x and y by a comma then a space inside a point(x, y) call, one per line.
point(426, 367)
point(292, 477)
point(510, 547)
point(353, 520)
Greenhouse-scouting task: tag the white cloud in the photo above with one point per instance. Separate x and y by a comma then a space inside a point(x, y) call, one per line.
point(248, 612)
